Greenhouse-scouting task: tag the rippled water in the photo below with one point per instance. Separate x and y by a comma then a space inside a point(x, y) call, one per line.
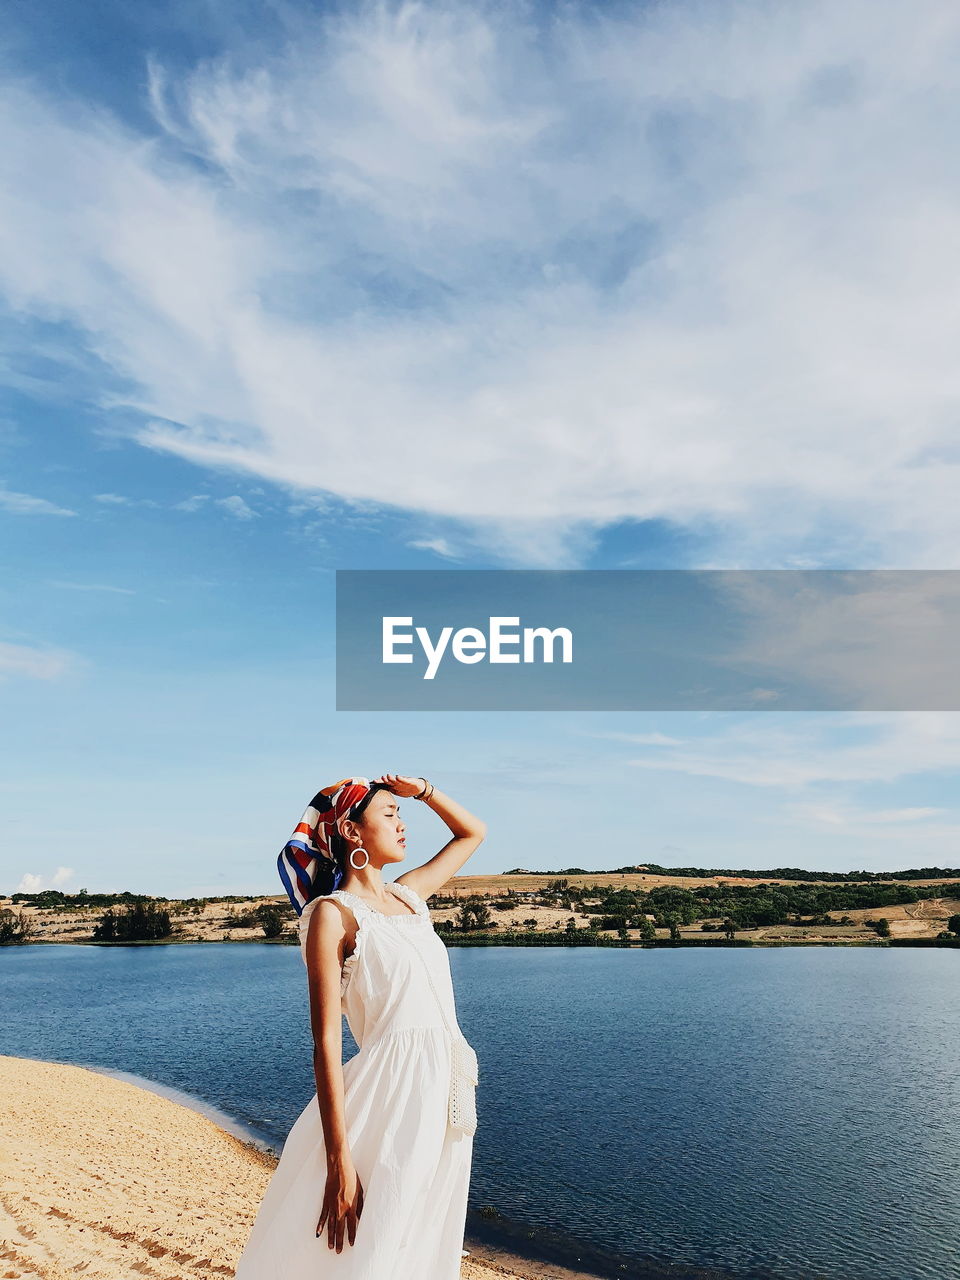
point(781, 1113)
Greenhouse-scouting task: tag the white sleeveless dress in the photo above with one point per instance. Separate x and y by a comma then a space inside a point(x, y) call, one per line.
point(414, 1169)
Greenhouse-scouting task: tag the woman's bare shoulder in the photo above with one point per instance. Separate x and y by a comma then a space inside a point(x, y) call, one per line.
point(334, 916)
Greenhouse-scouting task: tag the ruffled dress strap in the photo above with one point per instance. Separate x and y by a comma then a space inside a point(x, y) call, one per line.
point(410, 895)
point(361, 912)
point(356, 904)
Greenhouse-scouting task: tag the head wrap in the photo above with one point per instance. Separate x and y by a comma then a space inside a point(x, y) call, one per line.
point(307, 862)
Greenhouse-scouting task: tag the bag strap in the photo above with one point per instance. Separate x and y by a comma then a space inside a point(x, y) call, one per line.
point(456, 1033)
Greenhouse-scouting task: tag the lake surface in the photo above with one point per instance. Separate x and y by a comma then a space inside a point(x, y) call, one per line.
point(790, 1114)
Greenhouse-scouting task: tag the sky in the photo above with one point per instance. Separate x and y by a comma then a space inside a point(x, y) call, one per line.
point(286, 289)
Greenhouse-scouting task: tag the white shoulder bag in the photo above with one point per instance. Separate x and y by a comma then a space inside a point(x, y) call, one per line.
point(464, 1071)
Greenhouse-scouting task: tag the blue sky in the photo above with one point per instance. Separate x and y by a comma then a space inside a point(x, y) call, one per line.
point(286, 289)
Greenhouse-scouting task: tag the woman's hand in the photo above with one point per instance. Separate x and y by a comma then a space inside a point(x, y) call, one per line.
point(342, 1204)
point(400, 785)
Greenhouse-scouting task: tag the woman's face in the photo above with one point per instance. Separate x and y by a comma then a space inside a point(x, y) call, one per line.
point(381, 829)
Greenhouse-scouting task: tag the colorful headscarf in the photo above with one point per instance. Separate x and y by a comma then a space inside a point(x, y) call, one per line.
point(307, 863)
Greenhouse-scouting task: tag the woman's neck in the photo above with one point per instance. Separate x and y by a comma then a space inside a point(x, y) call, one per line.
point(368, 883)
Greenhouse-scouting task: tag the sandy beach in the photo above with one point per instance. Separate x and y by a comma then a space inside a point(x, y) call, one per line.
point(109, 1181)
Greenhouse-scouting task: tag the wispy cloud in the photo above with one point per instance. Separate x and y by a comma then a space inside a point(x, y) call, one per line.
point(832, 816)
point(681, 262)
point(236, 507)
point(33, 882)
point(24, 504)
point(92, 586)
point(123, 500)
point(37, 664)
point(440, 546)
point(801, 752)
point(193, 503)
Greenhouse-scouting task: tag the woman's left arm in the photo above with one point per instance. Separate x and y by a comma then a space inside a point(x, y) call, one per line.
point(468, 834)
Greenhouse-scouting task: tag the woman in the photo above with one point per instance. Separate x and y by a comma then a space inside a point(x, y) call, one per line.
point(373, 1177)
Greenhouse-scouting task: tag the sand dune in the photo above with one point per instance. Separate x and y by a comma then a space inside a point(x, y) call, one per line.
point(104, 1180)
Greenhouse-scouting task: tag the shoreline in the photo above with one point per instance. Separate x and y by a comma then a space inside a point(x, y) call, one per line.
point(244, 1133)
point(661, 944)
point(136, 1177)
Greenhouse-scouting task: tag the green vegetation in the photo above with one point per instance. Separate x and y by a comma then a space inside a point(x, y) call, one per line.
point(266, 916)
point(581, 914)
point(15, 927)
point(797, 873)
point(54, 899)
point(777, 873)
point(746, 906)
point(140, 922)
point(880, 927)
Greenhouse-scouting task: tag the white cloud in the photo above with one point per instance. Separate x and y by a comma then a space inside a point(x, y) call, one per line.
point(37, 664)
point(193, 503)
point(809, 750)
point(851, 817)
point(683, 262)
point(93, 586)
point(36, 883)
point(121, 500)
point(23, 504)
point(862, 640)
point(440, 546)
point(654, 739)
point(236, 507)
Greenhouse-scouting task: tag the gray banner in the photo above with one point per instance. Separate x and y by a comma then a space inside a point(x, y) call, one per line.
point(648, 640)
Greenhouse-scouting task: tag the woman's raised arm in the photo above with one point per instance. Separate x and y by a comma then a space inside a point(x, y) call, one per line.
point(468, 834)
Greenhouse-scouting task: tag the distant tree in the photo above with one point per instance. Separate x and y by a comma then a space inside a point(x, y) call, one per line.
point(272, 923)
point(474, 914)
point(953, 924)
point(141, 922)
point(613, 922)
point(674, 926)
point(729, 929)
point(881, 927)
point(15, 927)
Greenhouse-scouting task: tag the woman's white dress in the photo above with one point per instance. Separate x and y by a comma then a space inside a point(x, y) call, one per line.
point(414, 1169)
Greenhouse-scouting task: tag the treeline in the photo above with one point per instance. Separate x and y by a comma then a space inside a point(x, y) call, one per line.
point(54, 898)
point(776, 873)
point(779, 904)
point(745, 905)
point(797, 873)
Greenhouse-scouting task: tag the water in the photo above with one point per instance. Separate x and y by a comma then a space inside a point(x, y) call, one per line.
point(782, 1113)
